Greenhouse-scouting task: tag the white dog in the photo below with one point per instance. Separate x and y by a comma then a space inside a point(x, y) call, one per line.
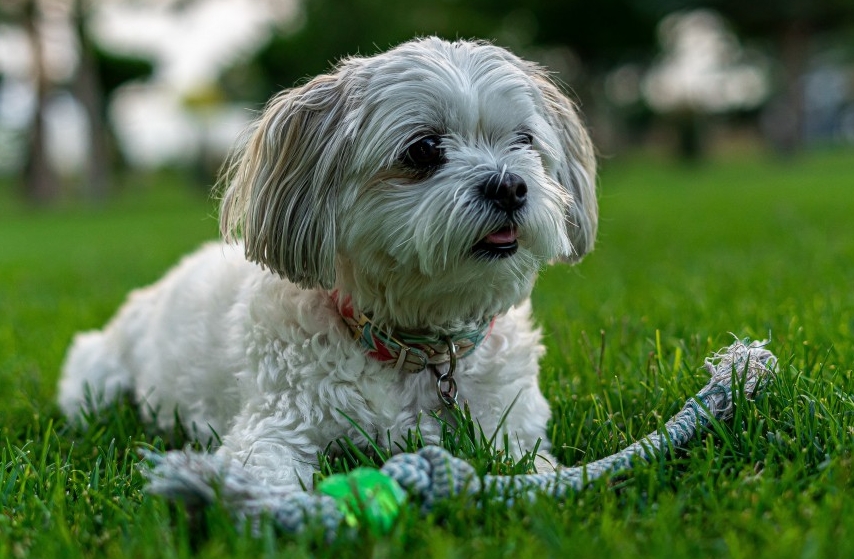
point(393, 215)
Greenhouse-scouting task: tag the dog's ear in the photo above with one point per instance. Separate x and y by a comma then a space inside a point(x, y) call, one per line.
point(282, 188)
point(575, 168)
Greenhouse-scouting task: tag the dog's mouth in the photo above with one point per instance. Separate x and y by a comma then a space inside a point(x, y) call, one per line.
point(499, 244)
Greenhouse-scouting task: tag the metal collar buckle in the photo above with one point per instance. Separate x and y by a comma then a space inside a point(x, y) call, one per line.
point(405, 352)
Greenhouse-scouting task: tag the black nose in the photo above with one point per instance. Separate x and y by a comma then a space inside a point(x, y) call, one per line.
point(507, 191)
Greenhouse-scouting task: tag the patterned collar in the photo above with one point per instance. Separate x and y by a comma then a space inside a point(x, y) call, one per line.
point(410, 352)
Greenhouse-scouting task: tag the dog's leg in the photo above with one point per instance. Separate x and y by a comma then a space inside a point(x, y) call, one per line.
point(524, 424)
point(92, 375)
point(271, 450)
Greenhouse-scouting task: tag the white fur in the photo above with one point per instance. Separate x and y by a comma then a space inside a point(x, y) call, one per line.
point(243, 339)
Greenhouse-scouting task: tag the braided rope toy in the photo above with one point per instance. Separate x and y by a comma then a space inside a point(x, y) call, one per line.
point(372, 498)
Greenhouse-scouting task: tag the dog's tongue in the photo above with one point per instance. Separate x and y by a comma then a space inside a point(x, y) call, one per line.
point(503, 236)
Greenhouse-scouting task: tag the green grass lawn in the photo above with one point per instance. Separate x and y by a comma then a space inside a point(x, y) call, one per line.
point(687, 256)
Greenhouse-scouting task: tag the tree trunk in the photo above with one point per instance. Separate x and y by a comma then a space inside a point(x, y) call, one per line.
point(87, 89)
point(794, 45)
point(41, 184)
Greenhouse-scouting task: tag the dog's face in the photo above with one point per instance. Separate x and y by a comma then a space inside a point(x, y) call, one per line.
point(430, 182)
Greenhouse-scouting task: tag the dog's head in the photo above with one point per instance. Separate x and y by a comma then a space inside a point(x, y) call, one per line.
point(430, 182)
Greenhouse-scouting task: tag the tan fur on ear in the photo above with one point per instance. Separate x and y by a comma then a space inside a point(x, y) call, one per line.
point(282, 188)
point(576, 170)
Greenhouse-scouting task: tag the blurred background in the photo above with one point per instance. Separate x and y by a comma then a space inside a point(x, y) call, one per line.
point(92, 89)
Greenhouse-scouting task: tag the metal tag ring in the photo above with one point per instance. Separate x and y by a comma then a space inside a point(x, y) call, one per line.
point(447, 393)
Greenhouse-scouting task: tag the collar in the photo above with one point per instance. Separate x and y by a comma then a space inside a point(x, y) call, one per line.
point(408, 351)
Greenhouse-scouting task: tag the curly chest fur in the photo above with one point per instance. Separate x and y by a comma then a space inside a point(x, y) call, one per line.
point(320, 385)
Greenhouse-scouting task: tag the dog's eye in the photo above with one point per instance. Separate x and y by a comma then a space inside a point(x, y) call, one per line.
point(523, 140)
point(425, 152)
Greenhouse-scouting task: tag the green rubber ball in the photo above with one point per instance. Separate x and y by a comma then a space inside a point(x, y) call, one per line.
point(367, 497)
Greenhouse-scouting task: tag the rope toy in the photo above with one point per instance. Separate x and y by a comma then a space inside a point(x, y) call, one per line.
point(372, 498)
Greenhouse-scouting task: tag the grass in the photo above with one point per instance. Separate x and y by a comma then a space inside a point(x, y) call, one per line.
point(756, 247)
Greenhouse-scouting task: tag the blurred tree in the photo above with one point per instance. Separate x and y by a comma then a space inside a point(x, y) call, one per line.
point(329, 28)
point(790, 27)
point(87, 89)
point(603, 33)
point(701, 73)
point(41, 184)
point(99, 74)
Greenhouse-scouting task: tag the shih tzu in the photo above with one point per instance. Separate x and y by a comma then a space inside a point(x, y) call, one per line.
point(384, 225)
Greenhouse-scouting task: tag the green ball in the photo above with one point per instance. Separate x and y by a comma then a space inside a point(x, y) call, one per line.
point(367, 497)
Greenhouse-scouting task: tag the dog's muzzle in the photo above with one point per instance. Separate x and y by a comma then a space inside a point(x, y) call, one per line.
point(507, 193)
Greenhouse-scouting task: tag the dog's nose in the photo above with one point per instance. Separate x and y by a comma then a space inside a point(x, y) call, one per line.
point(507, 190)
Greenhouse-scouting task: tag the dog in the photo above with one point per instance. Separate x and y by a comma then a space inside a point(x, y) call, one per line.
point(383, 226)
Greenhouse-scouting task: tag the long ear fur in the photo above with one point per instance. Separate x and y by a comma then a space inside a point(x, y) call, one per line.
point(282, 184)
point(576, 168)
